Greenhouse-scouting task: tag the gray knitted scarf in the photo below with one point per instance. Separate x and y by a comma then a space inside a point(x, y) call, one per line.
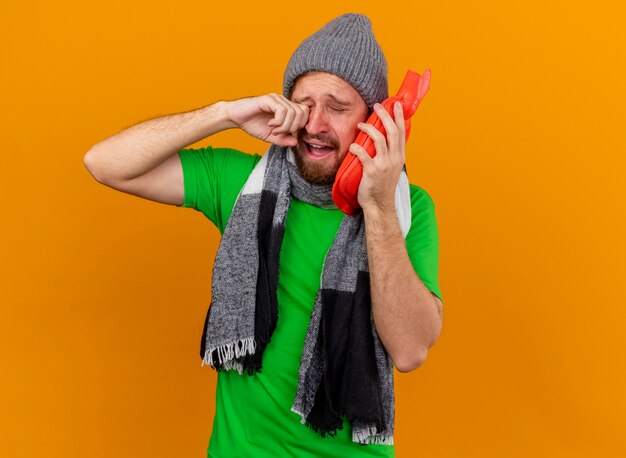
point(344, 371)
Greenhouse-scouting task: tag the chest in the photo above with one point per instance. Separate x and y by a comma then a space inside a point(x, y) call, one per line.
point(309, 233)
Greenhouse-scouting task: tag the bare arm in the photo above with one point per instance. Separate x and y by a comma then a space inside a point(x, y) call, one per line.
point(407, 315)
point(142, 159)
point(140, 148)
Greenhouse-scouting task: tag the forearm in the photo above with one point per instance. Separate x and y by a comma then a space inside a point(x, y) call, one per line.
point(140, 148)
point(405, 312)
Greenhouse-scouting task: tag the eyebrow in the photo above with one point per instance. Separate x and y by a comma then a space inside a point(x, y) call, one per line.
point(337, 100)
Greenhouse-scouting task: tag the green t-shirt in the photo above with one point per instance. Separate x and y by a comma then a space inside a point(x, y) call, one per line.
point(253, 416)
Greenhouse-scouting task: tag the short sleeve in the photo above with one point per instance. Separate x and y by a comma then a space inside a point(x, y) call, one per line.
point(422, 241)
point(213, 178)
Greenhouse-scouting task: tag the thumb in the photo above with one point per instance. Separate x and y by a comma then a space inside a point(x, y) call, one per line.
point(283, 139)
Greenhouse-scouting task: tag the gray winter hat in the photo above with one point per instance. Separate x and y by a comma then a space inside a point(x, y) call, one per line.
point(346, 47)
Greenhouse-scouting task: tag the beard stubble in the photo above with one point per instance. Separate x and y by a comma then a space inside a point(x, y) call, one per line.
point(314, 172)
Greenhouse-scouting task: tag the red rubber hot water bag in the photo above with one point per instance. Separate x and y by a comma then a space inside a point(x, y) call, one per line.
point(348, 177)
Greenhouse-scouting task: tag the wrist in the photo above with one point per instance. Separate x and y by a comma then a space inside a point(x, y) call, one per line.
point(221, 115)
point(379, 211)
point(380, 219)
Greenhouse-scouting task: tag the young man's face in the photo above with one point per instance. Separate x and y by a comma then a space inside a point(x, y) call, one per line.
point(335, 109)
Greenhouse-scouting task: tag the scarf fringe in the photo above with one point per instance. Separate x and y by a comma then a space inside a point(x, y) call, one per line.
point(369, 436)
point(261, 208)
point(228, 353)
point(323, 433)
point(302, 417)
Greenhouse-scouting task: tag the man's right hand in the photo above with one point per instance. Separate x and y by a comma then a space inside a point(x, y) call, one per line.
point(272, 118)
point(142, 160)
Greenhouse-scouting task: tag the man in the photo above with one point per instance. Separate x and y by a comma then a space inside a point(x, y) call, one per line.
point(310, 309)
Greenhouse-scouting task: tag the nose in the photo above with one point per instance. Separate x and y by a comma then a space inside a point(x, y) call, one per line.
point(318, 121)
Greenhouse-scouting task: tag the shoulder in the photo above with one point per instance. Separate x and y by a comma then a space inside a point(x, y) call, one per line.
point(217, 165)
point(213, 177)
point(420, 197)
point(423, 217)
point(220, 155)
point(236, 155)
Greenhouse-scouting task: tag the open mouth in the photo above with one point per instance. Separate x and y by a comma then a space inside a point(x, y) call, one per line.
point(317, 151)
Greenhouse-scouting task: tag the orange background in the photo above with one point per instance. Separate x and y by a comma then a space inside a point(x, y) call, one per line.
point(520, 142)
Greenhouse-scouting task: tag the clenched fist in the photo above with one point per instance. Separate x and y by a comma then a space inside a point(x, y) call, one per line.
point(271, 118)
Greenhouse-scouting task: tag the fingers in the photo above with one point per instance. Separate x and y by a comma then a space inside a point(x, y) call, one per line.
point(400, 123)
point(302, 116)
point(391, 144)
point(283, 113)
point(284, 139)
point(380, 143)
point(394, 128)
point(361, 153)
point(289, 117)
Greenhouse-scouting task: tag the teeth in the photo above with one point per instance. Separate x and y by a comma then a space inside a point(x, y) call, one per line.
point(316, 146)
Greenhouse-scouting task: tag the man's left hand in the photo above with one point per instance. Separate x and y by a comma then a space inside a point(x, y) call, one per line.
point(381, 172)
